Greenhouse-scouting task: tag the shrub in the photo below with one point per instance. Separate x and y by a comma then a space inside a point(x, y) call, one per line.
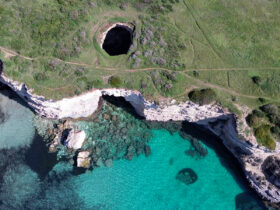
point(252, 120)
point(276, 131)
point(256, 80)
point(115, 81)
point(258, 113)
point(202, 97)
point(97, 83)
point(41, 76)
point(264, 137)
point(270, 109)
point(195, 73)
point(262, 100)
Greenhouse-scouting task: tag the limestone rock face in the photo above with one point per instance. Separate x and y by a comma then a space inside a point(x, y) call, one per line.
point(271, 168)
point(83, 159)
point(75, 139)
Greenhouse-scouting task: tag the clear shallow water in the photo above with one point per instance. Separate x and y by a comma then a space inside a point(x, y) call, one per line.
point(143, 183)
point(150, 183)
point(16, 129)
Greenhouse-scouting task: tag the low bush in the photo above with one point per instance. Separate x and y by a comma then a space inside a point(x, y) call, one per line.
point(270, 109)
point(115, 81)
point(276, 132)
point(252, 120)
point(258, 113)
point(256, 80)
point(264, 137)
point(203, 96)
point(41, 76)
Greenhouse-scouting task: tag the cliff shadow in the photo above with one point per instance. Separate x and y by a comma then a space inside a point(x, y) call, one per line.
point(122, 103)
point(8, 92)
point(227, 159)
point(38, 158)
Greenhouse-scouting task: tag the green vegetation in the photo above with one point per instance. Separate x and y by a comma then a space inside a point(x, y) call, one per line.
point(115, 81)
point(266, 124)
point(264, 137)
point(230, 47)
point(202, 97)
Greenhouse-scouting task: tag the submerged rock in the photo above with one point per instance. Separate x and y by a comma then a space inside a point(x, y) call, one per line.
point(2, 116)
point(187, 176)
point(75, 139)
point(83, 159)
point(147, 150)
point(99, 162)
point(108, 163)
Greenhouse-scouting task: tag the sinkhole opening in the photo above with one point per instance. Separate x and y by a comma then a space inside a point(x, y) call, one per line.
point(118, 40)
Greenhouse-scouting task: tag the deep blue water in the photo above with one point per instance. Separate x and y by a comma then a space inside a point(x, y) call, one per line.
point(33, 179)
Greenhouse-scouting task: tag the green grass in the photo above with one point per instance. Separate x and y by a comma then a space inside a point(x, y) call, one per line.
point(215, 38)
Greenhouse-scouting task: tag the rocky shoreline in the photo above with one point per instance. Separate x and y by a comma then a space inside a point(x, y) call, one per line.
point(263, 177)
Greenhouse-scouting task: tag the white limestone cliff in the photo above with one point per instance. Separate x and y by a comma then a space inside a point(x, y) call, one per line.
point(86, 104)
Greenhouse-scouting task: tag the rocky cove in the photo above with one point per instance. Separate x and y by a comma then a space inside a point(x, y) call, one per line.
point(211, 118)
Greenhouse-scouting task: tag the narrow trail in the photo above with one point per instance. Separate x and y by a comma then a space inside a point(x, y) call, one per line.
point(232, 92)
point(13, 53)
point(9, 52)
point(204, 34)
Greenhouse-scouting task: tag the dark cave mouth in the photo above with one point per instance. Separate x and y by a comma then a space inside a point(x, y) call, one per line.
point(118, 40)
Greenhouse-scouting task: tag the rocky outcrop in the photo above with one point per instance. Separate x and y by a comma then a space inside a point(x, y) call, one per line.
point(85, 105)
point(168, 111)
point(75, 139)
point(76, 107)
point(271, 169)
point(251, 157)
point(83, 159)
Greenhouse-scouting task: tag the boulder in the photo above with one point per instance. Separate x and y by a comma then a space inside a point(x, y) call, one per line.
point(187, 176)
point(83, 159)
point(271, 169)
point(75, 139)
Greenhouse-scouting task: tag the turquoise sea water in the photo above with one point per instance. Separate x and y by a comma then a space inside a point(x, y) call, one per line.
point(150, 183)
point(17, 129)
point(142, 183)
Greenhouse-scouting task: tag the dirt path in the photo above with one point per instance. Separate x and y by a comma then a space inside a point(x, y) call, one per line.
point(232, 92)
point(10, 53)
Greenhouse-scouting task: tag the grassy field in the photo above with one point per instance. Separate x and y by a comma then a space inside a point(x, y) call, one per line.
point(178, 46)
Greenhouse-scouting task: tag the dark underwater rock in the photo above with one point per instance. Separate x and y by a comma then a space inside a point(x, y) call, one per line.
point(199, 148)
point(2, 116)
point(196, 149)
point(187, 176)
point(147, 150)
point(108, 163)
point(271, 169)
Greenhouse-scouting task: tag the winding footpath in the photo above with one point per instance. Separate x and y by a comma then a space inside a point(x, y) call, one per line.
point(10, 53)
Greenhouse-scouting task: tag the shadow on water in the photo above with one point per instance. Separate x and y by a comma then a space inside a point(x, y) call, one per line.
point(249, 197)
point(244, 200)
point(8, 92)
point(38, 158)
